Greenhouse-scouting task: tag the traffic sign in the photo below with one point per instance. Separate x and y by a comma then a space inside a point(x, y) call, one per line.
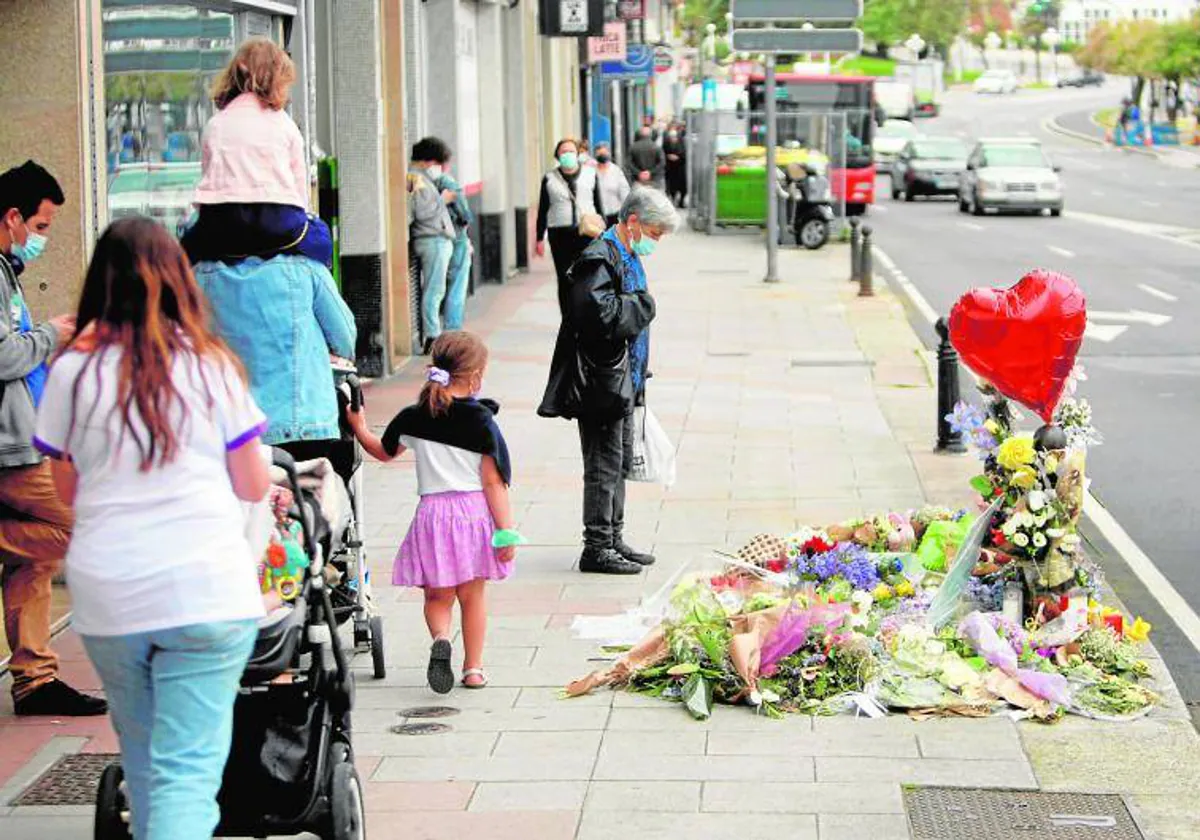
point(663, 59)
point(797, 9)
point(573, 16)
point(791, 41)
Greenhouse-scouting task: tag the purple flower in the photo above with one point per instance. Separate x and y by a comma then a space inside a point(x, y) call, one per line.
point(965, 418)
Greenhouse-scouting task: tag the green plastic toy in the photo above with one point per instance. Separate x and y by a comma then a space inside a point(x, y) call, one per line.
point(506, 537)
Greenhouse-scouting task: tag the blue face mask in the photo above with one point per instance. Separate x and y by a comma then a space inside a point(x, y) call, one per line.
point(35, 245)
point(568, 160)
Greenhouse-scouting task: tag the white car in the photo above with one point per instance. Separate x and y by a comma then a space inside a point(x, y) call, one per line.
point(891, 138)
point(1012, 175)
point(996, 81)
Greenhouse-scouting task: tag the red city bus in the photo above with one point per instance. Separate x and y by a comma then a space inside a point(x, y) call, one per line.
point(800, 100)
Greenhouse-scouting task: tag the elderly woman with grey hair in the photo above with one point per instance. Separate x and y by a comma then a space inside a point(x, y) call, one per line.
point(599, 370)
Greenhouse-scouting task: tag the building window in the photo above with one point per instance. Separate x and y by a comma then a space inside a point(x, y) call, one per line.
point(159, 63)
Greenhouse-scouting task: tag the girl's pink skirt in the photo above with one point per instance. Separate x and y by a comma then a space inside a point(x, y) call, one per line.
point(449, 543)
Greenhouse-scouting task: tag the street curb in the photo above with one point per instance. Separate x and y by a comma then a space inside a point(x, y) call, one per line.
point(1052, 125)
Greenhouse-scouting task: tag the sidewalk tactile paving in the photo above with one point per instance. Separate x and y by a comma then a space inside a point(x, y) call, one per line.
point(954, 813)
point(71, 780)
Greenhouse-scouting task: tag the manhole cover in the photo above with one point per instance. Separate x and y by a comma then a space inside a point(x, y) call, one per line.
point(71, 780)
point(428, 712)
point(420, 729)
point(955, 813)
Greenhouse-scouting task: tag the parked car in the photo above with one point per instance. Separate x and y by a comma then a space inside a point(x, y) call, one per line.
point(1084, 78)
point(996, 81)
point(1004, 174)
point(891, 138)
point(929, 166)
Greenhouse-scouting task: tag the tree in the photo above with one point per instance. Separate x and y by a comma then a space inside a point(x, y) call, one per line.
point(696, 15)
point(938, 22)
point(1039, 16)
point(1178, 59)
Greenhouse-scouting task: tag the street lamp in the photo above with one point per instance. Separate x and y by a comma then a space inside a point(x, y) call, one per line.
point(1052, 39)
point(916, 44)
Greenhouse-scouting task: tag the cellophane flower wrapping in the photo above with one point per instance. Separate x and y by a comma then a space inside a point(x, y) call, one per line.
point(792, 631)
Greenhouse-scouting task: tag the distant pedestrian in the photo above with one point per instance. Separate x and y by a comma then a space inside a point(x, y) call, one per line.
point(646, 164)
point(600, 367)
point(614, 186)
point(154, 437)
point(431, 230)
point(35, 523)
point(675, 152)
point(254, 193)
point(463, 475)
point(585, 154)
point(569, 195)
point(458, 274)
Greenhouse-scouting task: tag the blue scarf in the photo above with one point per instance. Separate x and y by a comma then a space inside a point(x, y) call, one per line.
point(36, 378)
point(633, 279)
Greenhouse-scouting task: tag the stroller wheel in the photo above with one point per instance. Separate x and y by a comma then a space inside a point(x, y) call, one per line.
point(112, 809)
point(377, 647)
point(346, 804)
point(362, 632)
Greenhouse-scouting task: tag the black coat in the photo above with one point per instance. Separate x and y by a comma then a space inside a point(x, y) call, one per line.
point(590, 374)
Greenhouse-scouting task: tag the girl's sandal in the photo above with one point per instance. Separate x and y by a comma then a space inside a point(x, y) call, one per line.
point(480, 678)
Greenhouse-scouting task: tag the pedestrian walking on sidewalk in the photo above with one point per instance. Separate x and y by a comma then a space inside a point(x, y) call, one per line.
point(599, 371)
point(647, 163)
point(675, 151)
point(154, 439)
point(463, 474)
point(35, 524)
point(569, 195)
point(431, 229)
point(612, 183)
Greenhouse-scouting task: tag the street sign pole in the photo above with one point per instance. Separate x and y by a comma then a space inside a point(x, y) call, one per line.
point(772, 179)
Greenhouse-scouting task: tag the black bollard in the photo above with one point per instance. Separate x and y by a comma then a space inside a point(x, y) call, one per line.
point(948, 440)
point(855, 248)
point(866, 265)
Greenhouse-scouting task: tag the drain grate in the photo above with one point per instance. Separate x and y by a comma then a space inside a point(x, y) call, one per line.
point(956, 813)
point(71, 780)
point(423, 712)
point(420, 728)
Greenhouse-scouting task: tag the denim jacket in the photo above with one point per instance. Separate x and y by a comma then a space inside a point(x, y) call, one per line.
point(284, 317)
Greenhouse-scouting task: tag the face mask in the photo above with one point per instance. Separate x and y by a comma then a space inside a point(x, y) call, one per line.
point(434, 171)
point(568, 160)
point(643, 246)
point(34, 245)
point(603, 158)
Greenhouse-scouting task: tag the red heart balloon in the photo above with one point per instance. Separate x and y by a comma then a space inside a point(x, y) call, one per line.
point(1023, 340)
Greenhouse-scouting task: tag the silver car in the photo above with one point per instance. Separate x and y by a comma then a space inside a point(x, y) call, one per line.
point(1012, 175)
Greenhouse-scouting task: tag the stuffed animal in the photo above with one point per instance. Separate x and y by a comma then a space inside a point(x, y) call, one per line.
point(283, 567)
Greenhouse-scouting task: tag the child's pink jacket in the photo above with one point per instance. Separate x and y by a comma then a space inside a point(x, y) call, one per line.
point(252, 154)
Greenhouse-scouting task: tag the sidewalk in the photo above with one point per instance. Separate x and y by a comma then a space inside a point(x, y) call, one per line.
point(1081, 126)
point(791, 403)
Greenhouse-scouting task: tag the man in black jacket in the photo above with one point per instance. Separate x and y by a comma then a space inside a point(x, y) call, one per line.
point(647, 164)
point(599, 370)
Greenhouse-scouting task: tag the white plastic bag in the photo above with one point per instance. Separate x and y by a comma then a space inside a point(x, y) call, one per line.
point(653, 453)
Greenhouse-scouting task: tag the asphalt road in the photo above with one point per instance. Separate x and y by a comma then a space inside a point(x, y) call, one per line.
point(1125, 238)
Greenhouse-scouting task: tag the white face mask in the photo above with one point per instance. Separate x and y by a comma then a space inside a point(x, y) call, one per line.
point(434, 171)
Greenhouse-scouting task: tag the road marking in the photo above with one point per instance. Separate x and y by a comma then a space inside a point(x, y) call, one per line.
point(1103, 332)
point(1133, 316)
point(1156, 583)
point(879, 208)
point(1062, 252)
point(1158, 293)
point(970, 226)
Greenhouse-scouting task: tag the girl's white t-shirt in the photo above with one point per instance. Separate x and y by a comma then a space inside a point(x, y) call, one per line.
point(163, 548)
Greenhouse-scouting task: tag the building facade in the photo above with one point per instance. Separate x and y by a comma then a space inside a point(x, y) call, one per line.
point(1078, 17)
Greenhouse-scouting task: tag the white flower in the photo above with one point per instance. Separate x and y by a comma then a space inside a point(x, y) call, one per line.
point(1039, 540)
point(755, 698)
point(1024, 519)
point(1020, 540)
point(1008, 527)
point(769, 696)
point(1036, 500)
point(1056, 533)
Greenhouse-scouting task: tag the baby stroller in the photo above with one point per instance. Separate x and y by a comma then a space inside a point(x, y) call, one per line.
point(343, 542)
point(291, 765)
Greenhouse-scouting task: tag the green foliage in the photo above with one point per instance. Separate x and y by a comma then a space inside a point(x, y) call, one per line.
point(1145, 49)
point(867, 65)
point(938, 22)
point(697, 15)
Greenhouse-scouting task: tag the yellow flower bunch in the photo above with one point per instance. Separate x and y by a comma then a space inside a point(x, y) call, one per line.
point(1016, 452)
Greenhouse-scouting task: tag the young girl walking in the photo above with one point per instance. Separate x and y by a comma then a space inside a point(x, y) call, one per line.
point(463, 474)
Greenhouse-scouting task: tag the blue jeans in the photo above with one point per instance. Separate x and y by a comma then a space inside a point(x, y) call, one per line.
point(458, 277)
point(170, 694)
point(434, 252)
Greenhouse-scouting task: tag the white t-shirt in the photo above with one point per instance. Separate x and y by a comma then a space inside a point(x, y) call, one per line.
point(158, 549)
point(442, 468)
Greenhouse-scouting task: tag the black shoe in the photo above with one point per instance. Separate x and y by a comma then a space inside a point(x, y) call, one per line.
point(439, 674)
point(605, 561)
point(632, 554)
point(57, 699)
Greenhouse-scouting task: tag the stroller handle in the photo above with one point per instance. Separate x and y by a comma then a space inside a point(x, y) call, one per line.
point(356, 395)
point(283, 459)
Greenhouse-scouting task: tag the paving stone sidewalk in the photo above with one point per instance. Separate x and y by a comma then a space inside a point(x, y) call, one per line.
point(791, 403)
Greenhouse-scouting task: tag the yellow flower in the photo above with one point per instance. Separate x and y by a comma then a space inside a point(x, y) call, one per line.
point(1016, 452)
point(904, 589)
point(992, 426)
point(1024, 478)
point(882, 592)
point(1139, 631)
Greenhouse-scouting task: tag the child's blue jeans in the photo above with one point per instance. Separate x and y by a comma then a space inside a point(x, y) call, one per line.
point(170, 694)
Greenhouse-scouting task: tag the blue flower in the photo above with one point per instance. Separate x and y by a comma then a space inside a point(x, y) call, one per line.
point(965, 419)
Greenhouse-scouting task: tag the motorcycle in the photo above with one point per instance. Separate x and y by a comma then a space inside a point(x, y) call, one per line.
point(810, 205)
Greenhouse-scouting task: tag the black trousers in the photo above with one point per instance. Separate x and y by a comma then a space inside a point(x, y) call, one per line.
point(607, 447)
point(565, 247)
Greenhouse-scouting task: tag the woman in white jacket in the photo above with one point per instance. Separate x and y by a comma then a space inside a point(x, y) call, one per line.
point(569, 194)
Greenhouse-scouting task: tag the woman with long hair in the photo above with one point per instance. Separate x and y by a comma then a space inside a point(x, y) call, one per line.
point(153, 433)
